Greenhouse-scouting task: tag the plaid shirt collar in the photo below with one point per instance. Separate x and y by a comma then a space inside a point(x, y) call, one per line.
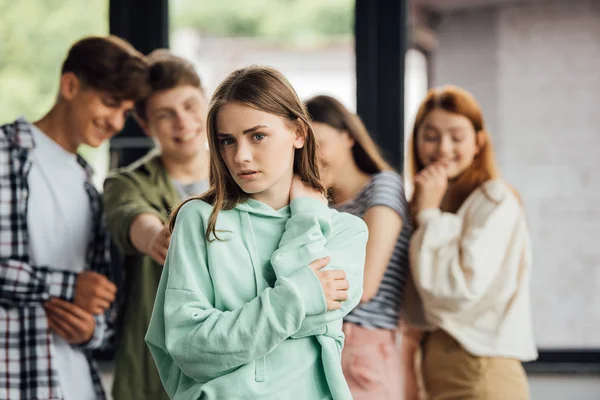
point(26, 365)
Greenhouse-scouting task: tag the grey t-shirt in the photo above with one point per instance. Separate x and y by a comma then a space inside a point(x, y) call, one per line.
point(383, 311)
point(190, 189)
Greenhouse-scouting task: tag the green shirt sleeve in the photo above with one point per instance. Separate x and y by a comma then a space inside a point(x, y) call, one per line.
point(123, 202)
point(314, 231)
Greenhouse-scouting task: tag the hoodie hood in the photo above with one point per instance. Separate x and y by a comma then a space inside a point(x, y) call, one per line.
point(258, 220)
point(260, 209)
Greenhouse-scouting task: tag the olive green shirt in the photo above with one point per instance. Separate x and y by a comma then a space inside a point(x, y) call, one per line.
point(142, 187)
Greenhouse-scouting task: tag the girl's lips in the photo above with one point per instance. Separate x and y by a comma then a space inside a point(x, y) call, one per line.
point(248, 174)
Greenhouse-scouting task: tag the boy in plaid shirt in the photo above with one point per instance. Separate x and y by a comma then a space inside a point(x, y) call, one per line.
point(55, 269)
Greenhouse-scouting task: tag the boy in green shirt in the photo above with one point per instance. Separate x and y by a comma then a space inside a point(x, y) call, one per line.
point(138, 199)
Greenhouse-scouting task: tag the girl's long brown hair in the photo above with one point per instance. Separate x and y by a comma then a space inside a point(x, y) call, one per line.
point(457, 101)
point(264, 89)
point(327, 110)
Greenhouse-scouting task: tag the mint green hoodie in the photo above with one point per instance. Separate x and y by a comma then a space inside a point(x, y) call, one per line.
point(245, 317)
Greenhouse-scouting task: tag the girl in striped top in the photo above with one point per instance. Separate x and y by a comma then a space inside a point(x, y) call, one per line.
point(361, 183)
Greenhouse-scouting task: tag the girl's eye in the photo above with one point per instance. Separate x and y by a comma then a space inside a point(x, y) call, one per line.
point(226, 141)
point(258, 136)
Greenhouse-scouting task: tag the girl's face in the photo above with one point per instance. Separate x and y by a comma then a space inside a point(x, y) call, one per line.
point(258, 150)
point(447, 138)
point(335, 149)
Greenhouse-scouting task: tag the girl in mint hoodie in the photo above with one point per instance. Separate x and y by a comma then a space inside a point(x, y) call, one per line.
point(260, 272)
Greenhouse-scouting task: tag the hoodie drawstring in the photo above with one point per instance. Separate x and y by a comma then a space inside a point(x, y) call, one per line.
point(260, 371)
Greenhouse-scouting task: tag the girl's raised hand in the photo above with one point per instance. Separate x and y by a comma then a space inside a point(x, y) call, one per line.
point(302, 189)
point(430, 186)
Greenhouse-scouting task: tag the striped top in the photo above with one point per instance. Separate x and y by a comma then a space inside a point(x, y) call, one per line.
point(383, 311)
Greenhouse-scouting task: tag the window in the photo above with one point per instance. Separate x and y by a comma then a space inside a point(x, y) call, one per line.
point(30, 62)
point(310, 42)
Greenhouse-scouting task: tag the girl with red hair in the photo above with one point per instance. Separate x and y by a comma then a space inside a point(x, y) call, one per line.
point(470, 259)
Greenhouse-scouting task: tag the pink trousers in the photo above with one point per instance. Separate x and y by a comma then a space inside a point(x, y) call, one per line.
point(371, 363)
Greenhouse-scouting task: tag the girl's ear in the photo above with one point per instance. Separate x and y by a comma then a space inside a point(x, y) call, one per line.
point(480, 141)
point(300, 134)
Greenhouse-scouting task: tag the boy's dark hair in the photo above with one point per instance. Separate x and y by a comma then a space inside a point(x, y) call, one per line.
point(109, 64)
point(166, 71)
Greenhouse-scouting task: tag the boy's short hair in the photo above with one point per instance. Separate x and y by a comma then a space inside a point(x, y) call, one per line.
point(166, 71)
point(109, 64)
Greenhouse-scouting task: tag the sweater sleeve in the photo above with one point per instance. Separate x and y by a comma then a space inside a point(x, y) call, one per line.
point(314, 231)
point(454, 259)
point(188, 334)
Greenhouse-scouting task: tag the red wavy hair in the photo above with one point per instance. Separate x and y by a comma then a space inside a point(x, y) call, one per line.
point(457, 101)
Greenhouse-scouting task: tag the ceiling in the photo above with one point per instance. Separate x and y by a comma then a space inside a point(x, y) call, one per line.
point(447, 5)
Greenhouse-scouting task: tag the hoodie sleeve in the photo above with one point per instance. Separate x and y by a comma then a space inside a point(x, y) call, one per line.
point(315, 231)
point(188, 335)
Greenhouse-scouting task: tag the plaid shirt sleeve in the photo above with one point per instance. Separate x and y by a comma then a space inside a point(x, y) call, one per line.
point(23, 284)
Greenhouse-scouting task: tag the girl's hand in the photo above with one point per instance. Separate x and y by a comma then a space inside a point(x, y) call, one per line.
point(334, 283)
point(430, 186)
point(302, 189)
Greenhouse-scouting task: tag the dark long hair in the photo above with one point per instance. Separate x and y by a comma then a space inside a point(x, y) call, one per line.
point(327, 110)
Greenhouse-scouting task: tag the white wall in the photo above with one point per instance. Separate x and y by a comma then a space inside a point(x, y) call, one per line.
point(535, 67)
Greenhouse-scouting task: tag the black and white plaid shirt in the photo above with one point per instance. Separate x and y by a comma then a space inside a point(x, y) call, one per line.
point(27, 369)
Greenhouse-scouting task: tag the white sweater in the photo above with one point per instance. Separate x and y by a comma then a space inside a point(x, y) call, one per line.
point(471, 271)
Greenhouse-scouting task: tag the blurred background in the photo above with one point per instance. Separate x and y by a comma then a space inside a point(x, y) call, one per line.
point(532, 64)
